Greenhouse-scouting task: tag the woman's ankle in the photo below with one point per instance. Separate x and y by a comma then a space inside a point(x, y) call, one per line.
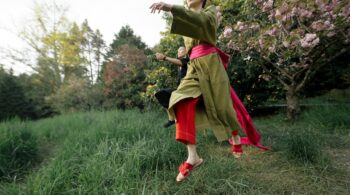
point(236, 140)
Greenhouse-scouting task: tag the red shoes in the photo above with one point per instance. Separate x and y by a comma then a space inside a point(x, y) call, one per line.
point(186, 168)
point(237, 150)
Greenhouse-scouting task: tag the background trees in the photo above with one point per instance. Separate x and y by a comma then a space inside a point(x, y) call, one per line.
point(290, 40)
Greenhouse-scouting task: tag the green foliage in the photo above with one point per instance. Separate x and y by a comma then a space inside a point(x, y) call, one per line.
point(251, 83)
point(162, 75)
point(77, 95)
point(13, 100)
point(18, 150)
point(36, 94)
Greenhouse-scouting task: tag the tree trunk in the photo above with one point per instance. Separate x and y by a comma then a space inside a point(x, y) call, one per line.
point(293, 107)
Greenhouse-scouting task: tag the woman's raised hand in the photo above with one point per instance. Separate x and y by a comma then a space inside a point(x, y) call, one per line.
point(160, 56)
point(160, 7)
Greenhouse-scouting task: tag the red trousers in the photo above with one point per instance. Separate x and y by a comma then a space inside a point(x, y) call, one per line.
point(185, 112)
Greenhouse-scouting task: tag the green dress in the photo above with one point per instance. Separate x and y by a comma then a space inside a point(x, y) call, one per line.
point(206, 75)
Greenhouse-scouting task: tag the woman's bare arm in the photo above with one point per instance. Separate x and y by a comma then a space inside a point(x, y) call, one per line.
point(163, 57)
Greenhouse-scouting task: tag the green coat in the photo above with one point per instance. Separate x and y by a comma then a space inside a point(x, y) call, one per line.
point(206, 75)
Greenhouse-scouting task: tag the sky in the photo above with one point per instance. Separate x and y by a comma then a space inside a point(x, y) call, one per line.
point(106, 15)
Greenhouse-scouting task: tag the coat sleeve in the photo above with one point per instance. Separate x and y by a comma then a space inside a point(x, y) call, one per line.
point(197, 25)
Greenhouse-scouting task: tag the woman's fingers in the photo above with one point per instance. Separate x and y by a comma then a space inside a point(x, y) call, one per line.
point(160, 8)
point(157, 6)
point(154, 7)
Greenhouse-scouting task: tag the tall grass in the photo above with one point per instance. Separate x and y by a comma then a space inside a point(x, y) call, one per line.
point(18, 150)
point(130, 152)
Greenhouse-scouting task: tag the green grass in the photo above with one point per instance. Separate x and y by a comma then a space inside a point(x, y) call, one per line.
point(129, 152)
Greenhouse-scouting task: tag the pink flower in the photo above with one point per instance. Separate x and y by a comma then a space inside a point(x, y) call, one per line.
point(232, 45)
point(273, 32)
point(318, 25)
point(261, 42)
point(309, 41)
point(295, 11)
point(272, 15)
point(346, 11)
point(259, 2)
point(267, 6)
point(305, 13)
point(331, 34)
point(278, 13)
point(285, 44)
point(255, 26)
point(228, 32)
point(240, 26)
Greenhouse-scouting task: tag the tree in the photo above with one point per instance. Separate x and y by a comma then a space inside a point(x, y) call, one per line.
point(94, 49)
point(291, 40)
point(124, 77)
point(13, 101)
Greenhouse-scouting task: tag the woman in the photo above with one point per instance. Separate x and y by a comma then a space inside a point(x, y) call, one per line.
point(163, 95)
point(203, 99)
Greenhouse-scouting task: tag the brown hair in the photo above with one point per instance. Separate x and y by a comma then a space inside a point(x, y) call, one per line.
point(204, 2)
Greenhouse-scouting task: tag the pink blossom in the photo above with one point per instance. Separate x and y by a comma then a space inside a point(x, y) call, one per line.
point(255, 26)
point(331, 34)
point(273, 32)
point(267, 6)
point(228, 32)
point(271, 49)
point(328, 8)
point(240, 26)
point(261, 42)
point(266, 77)
point(320, 25)
point(232, 45)
point(309, 41)
point(278, 13)
point(272, 15)
point(305, 13)
point(286, 17)
point(295, 11)
point(285, 44)
point(346, 11)
point(259, 2)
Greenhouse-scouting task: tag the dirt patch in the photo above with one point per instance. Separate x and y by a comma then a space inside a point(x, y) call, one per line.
point(340, 158)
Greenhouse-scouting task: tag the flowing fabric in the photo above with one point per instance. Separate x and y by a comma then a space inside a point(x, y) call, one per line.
point(243, 117)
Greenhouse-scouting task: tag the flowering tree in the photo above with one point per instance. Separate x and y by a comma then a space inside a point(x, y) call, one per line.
point(291, 39)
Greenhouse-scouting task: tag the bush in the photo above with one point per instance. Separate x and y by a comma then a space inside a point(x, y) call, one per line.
point(18, 150)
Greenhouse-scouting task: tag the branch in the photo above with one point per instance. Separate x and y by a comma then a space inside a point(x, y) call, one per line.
point(278, 68)
point(308, 73)
point(276, 76)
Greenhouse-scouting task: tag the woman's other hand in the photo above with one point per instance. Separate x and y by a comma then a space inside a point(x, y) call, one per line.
point(161, 6)
point(160, 56)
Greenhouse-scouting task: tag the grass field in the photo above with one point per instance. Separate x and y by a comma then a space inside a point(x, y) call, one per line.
point(128, 152)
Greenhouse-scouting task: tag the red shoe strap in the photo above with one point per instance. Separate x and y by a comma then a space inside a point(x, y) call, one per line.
point(237, 148)
point(235, 132)
point(185, 168)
